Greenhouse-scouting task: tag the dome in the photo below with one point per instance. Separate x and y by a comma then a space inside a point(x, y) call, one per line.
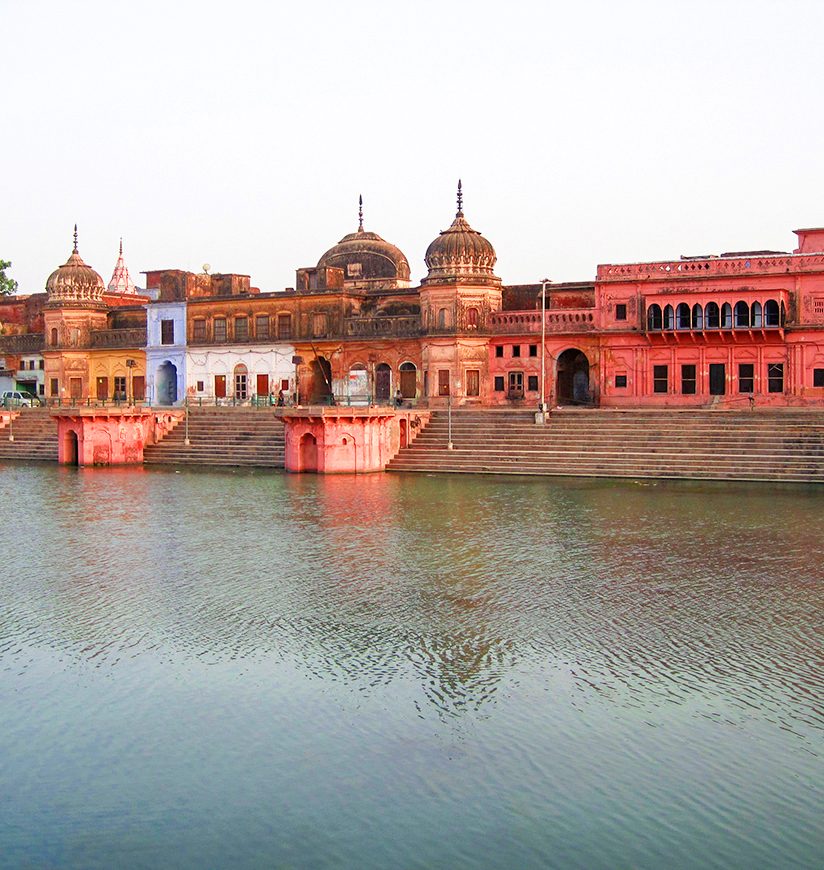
point(74, 281)
point(365, 256)
point(460, 251)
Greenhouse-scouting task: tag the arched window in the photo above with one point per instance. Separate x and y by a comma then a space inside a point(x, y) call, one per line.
point(669, 319)
point(471, 318)
point(726, 316)
point(682, 316)
point(654, 319)
point(442, 318)
point(241, 382)
point(54, 336)
point(697, 317)
point(771, 313)
point(755, 315)
point(712, 315)
point(742, 315)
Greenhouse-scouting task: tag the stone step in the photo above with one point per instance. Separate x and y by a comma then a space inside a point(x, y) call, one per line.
point(696, 444)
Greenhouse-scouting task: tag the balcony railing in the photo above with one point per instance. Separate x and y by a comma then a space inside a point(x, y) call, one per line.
point(133, 337)
point(372, 327)
point(32, 342)
point(696, 269)
point(557, 321)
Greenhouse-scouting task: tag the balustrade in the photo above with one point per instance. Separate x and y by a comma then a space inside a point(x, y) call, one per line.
point(559, 320)
point(109, 338)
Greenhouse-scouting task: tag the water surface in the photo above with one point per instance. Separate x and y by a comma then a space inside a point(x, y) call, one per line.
point(250, 669)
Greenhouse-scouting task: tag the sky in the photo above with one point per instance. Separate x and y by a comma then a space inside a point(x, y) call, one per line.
point(240, 134)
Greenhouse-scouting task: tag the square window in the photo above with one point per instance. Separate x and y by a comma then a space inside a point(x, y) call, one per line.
point(200, 386)
point(499, 383)
point(199, 329)
point(775, 378)
point(533, 350)
point(818, 377)
point(532, 383)
point(621, 311)
point(516, 350)
point(621, 381)
point(660, 379)
point(241, 328)
point(262, 326)
point(167, 332)
point(746, 378)
point(499, 350)
point(220, 329)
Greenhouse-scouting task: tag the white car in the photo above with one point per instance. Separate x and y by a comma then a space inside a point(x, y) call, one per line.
point(16, 398)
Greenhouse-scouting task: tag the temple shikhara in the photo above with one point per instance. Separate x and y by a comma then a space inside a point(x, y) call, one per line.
point(735, 330)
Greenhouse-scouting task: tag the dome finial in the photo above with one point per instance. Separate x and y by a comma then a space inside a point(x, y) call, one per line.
point(360, 213)
point(460, 200)
point(74, 249)
point(121, 246)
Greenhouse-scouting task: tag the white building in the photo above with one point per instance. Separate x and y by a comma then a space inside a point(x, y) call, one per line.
point(239, 373)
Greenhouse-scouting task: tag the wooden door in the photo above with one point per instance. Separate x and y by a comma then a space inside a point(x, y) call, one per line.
point(262, 385)
point(383, 383)
point(138, 388)
point(408, 383)
point(473, 382)
point(102, 389)
point(220, 386)
point(443, 382)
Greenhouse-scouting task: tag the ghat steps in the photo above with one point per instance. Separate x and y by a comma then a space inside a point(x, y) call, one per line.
point(35, 436)
point(223, 436)
point(782, 445)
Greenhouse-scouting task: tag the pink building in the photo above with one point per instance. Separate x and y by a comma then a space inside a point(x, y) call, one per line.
point(727, 330)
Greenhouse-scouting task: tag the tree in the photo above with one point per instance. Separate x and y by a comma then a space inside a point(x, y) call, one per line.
point(7, 285)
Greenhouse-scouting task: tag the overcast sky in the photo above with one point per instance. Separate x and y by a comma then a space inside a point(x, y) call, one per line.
point(240, 133)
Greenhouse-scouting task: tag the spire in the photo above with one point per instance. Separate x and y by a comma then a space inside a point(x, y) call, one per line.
point(460, 200)
point(360, 213)
point(74, 250)
point(121, 280)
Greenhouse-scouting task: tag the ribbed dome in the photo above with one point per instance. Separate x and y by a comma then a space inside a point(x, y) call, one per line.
point(460, 251)
point(74, 281)
point(377, 257)
point(366, 256)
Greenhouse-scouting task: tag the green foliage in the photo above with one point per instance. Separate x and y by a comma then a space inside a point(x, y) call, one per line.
point(7, 285)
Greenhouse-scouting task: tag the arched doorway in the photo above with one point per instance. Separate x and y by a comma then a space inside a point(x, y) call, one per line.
point(383, 383)
point(321, 392)
point(308, 452)
point(572, 378)
point(241, 382)
point(70, 448)
point(166, 384)
point(409, 377)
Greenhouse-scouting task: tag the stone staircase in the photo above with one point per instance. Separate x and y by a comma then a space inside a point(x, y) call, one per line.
point(223, 436)
point(35, 437)
point(781, 445)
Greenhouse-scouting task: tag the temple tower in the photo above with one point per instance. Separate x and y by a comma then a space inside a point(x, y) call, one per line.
point(458, 295)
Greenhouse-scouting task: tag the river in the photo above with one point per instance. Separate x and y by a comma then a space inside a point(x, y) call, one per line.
point(234, 669)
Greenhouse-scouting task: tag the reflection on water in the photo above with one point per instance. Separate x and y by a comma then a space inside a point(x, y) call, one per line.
point(578, 673)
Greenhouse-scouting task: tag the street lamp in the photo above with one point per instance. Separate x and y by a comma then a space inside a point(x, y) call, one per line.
point(542, 406)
